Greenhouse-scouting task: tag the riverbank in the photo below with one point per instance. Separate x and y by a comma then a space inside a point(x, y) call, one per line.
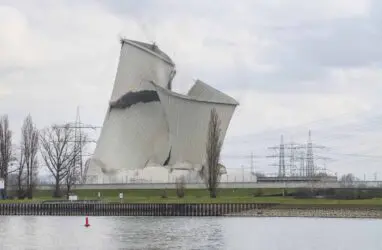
point(198, 196)
point(313, 212)
point(97, 208)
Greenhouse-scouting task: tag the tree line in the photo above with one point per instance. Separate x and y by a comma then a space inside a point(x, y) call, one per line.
point(57, 148)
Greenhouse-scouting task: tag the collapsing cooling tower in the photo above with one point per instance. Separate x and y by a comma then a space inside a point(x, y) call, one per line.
point(148, 123)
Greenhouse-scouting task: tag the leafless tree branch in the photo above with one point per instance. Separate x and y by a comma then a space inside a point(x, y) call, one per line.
point(212, 171)
point(29, 146)
point(5, 150)
point(60, 151)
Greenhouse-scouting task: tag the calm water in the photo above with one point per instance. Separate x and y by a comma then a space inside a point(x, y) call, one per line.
point(189, 233)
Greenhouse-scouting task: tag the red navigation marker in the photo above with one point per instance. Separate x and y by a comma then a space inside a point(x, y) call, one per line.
point(87, 222)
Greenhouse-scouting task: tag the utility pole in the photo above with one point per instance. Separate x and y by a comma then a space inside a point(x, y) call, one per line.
point(242, 171)
point(252, 167)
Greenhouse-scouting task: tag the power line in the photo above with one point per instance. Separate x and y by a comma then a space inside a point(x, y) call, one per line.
point(302, 153)
point(80, 140)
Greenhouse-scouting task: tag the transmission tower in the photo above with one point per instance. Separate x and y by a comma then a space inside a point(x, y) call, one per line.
point(293, 149)
point(310, 168)
point(78, 161)
point(280, 156)
point(80, 140)
point(290, 154)
point(309, 157)
point(301, 156)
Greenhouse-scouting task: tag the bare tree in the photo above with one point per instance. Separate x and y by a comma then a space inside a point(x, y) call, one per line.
point(77, 171)
point(180, 186)
point(321, 174)
point(212, 171)
point(29, 149)
point(59, 152)
point(259, 174)
point(347, 180)
point(73, 175)
point(5, 151)
point(20, 174)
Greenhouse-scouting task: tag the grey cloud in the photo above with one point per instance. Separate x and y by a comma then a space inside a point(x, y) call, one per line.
point(307, 52)
point(340, 43)
point(6, 71)
point(165, 9)
point(302, 53)
point(291, 78)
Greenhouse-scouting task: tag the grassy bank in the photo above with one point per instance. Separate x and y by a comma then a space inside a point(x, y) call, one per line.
point(156, 195)
point(202, 196)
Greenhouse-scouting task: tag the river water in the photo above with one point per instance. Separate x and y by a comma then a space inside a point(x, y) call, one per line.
point(189, 233)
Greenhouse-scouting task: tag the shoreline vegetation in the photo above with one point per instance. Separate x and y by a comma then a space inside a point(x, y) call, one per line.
point(238, 195)
point(283, 203)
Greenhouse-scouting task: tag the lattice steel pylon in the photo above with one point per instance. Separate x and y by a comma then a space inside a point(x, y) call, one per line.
point(308, 158)
point(302, 162)
point(310, 171)
point(297, 153)
point(252, 165)
point(280, 156)
point(293, 149)
point(79, 141)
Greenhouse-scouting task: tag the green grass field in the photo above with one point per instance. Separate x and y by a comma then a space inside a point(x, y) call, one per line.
point(200, 196)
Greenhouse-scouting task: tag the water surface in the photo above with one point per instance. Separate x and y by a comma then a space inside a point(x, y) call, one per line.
point(189, 233)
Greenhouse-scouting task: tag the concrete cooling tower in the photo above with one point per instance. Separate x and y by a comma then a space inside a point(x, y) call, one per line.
point(149, 124)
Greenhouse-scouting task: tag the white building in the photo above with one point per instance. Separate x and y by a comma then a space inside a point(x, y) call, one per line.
point(148, 124)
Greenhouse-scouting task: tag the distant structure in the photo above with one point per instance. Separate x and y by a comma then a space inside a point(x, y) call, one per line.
point(280, 156)
point(301, 165)
point(147, 123)
point(310, 168)
point(81, 139)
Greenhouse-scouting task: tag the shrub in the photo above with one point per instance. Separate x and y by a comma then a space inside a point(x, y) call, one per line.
point(57, 194)
point(258, 192)
point(180, 186)
point(164, 194)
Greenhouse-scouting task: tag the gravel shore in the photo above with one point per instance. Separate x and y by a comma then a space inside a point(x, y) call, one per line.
point(314, 212)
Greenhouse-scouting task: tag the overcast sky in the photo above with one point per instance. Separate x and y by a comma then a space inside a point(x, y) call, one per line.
point(292, 65)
